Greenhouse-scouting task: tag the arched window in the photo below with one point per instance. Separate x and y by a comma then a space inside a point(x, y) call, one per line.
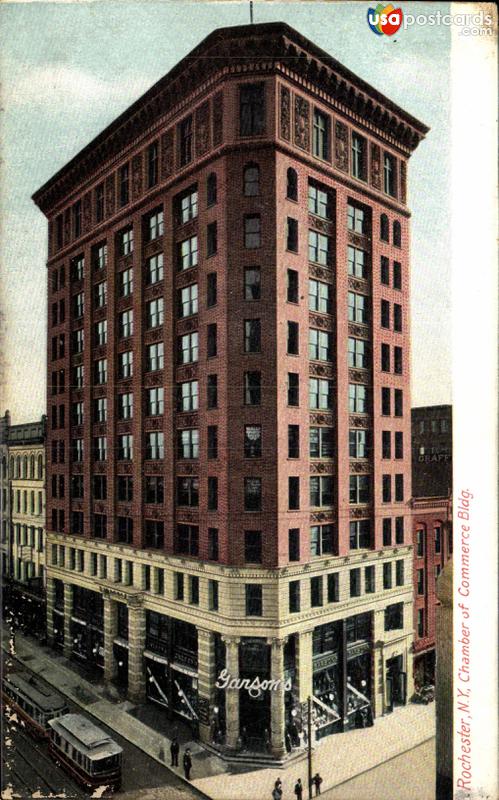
point(292, 184)
point(32, 468)
point(12, 467)
point(18, 467)
point(32, 503)
point(384, 229)
point(25, 467)
point(397, 234)
point(211, 189)
point(251, 180)
point(40, 467)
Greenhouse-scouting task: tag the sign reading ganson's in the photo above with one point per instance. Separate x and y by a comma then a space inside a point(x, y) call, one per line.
point(254, 686)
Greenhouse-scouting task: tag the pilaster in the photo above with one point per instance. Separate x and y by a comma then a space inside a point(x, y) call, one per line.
point(206, 681)
point(68, 610)
point(277, 698)
point(232, 695)
point(136, 644)
point(110, 631)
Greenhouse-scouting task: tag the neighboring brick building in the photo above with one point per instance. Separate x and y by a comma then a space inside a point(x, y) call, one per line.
point(432, 525)
point(229, 392)
point(4, 491)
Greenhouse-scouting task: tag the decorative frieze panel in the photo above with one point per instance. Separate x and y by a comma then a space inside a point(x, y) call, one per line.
point(99, 429)
point(360, 513)
point(358, 285)
point(321, 273)
point(153, 248)
point(187, 420)
point(321, 370)
point(218, 114)
point(124, 468)
point(321, 419)
point(186, 230)
point(358, 422)
point(136, 176)
point(318, 321)
point(153, 468)
point(302, 123)
point(341, 146)
point(202, 128)
point(187, 515)
point(99, 467)
point(322, 225)
point(285, 114)
point(124, 426)
point(110, 195)
point(167, 154)
point(154, 291)
point(322, 468)
point(360, 331)
point(124, 386)
point(375, 166)
point(322, 516)
point(360, 467)
point(187, 373)
point(123, 510)
point(187, 325)
point(151, 337)
point(153, 512)
point(154, 424)
point(153, 379)
point(358, 240)
point(359, 376)
point(77, 467)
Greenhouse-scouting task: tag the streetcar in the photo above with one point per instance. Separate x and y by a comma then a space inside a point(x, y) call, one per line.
point(85, 751)
point(34, 701)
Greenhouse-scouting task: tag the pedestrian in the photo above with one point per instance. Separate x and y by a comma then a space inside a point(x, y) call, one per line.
point(174, 750)
point(317, 780)
point(277, 791)
point(298, 789)
point(187, 764)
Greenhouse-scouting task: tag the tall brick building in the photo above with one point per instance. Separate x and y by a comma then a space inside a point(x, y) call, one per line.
point(229, 405)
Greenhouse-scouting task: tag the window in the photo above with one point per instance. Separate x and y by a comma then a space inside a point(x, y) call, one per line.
point(293, 493)
point(188, 300)
point(385, 314)
point(397, 360)
point(155, 313)
point(125, 488)
point(251, 180)
point(399, 572)
point(99, 203)
point(319, 345)
point(125, 242)
point(291, 184)
point(358, 443)
point(397, 234)
point(399, 530)
point(252, 388)
point(179, 585)
point(78, 341)
point(318, 201)
point(357, 308)
point(188, 443)
point(321, 442)
point(292, 286)
point(124, 530)
point(252, 283)
point(398, 402)
point(78, 304)
point(294, 597)
point(319, 248)
point(154, 225)
point(253, 547)
point(294, 544)
point(59, 231)
point(320, 393)
point(124, 184)
point(356, 219)
point(252, 231)
point(360, 534)
point(321, 491)
point(213, 595)
point(397, 317)
point(187, 205)
point(154, 534)
point(154, 490)
point(187, 398)
point(385, 358)
point(387, 575)
point(99, 256)
point(77, 219)
point(389, 174)
point(211, 239)
point(437, 531)
point(386, 444)
point(100, 448)
point(188, 348)
point(212, 391)
point(211, 289)
point(385, 271)
point(125, 447)
point(316, 591)
point(154, 269)
point(252, 441)
point(212, 441)
point(320, 135)
point(399, 444)
point(319, 297)
point(252, 494)
point(359, 489)
point(293, 389)
point(185, 141)
point(77, 268)
point(399, 488)
point(356, 262)
point(292, 234)
point(211, 189)
point(188, 491)
point(252, 336)
point(252, 109)
point(125, 405)
point(152, 165)
point(100, 333)
point(355, 583)
point(357, 398)
point(77, 486)
point(155, 401)
point(293, 441)
point(154, 357)
point(254, 603)
point(359, 157)
point(213, 544)
point(77, 413)
point(187, 540)
point(100, 409)
point(321, 540)
point(125, 324)
point(421, 626)
point(155, 445)
point(369, 580)
point(100, 527)
point(384, 228)
point(387, 488)
point(293, 338)
point(188, 253)
point(357, 353)
point(394, 617)
point(420, 542)
point(211, 340)
point(387, 532)
point(100, 371)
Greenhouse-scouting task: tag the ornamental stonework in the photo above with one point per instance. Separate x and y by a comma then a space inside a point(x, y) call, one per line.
point(358, 285)
point(153, 379)
point(359, 376)
point(321, 225)
point(154, 467)
point(321, 273)
point(187, 325)
point(321, 370)
point(187, 373)
point(151, 337)
point(403, 182)
point(341, 146)
point(110, 195)
point(321, 419)
point(203, 129)
point(360, 331)
point(302, 123)
point(285, 114)
point(362, 467)
point(167, 154)
point(187, 421)
point(322, 468)
point(375, 166)
point(358, 422)
point(186, 515)
point(186, 277)
point(358, 240)
point(155, 424)
point(99, 468)
point(136, 176)
point(321, 516)
point(318, 321)
point(218, 114)
point(360, 513)
point(156, 290)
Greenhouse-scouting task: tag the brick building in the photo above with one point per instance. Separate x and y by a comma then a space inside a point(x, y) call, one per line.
point(432, 525)
point(229, 393)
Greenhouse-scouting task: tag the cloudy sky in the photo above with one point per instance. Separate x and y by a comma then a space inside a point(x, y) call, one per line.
point(69, 69)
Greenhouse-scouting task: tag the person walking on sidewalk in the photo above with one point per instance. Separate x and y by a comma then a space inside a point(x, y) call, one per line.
point(298, 789)
point(187, 764)
point(174, 751)
point(317, 780)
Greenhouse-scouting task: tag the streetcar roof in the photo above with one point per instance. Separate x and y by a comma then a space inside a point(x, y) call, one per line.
point(85, 736)
point(39, 693)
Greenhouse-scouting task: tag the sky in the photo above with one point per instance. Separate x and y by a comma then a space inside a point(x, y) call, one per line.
point(68, 69)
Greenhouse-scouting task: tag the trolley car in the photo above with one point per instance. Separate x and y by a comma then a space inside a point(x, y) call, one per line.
point(34, 701)
point(85, 751)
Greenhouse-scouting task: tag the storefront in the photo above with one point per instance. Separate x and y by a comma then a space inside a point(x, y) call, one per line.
point(396, 682)
point(24, 606)
point(87, 629)
point(254, 711)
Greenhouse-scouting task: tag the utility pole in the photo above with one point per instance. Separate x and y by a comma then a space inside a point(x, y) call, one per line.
point(309, 735)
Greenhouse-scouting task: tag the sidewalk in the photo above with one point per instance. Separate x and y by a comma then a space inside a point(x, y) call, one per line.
point(337, 758)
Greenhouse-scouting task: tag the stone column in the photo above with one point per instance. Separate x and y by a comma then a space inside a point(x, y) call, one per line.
point(304, 669)
point(277, 698)
point(136, 645)
point(110, 631)
point(50, 610)
point(206, 681)
point(379, 696)
point(232, 695)
point(68, 610)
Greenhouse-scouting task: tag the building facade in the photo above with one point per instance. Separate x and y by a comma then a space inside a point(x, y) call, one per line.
point(229, 394)
point(23, 559)
point(432, 526)
point(4, 491)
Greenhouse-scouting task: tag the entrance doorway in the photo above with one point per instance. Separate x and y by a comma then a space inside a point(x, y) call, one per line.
point(396, 683)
